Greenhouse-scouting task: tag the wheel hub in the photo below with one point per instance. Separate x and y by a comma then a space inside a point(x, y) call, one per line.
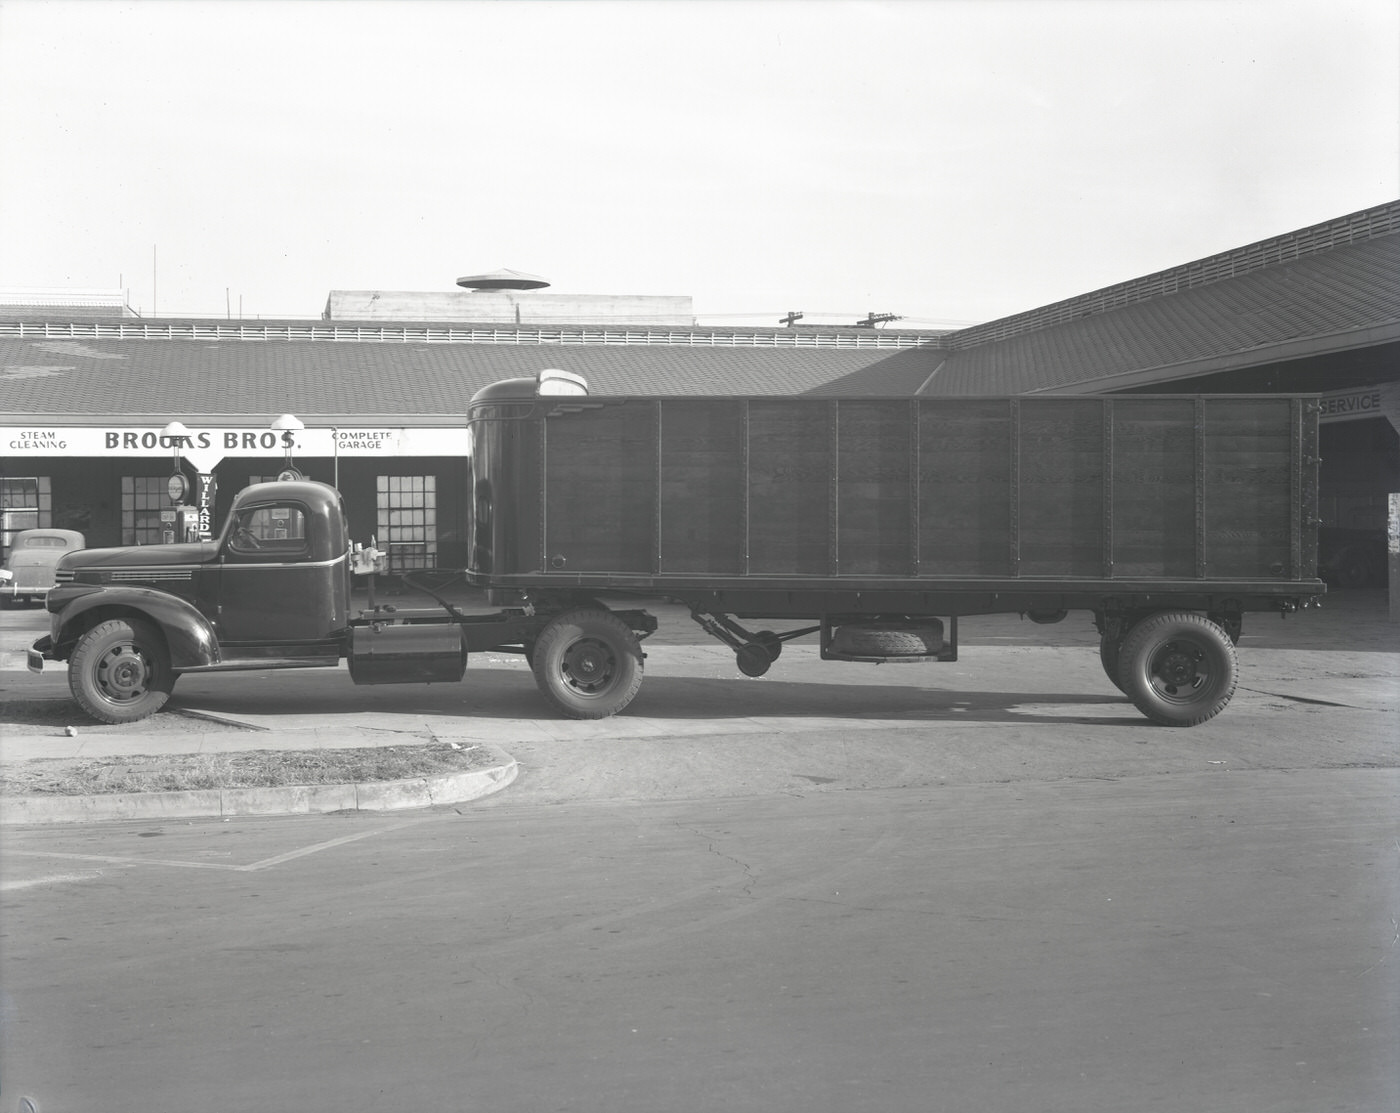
point(123, 674)
point(588, 665)
point(1179, 667)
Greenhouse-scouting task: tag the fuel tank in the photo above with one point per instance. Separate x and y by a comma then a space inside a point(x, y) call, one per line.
point(407, 654)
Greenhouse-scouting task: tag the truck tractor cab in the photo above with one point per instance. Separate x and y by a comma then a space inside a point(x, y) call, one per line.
point(273, 589)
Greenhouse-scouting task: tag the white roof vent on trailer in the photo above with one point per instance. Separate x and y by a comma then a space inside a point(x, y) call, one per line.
point(552, 381)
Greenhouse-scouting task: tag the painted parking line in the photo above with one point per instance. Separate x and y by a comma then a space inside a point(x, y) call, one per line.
point(48, 879)
point(228, 867)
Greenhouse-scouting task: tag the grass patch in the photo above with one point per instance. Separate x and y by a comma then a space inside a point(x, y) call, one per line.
point(244, 769)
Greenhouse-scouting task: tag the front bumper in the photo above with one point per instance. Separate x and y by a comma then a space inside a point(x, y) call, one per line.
point(38, 653)
point(15, 589)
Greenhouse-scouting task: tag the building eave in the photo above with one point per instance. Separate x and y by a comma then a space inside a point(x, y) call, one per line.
point(1303, 348)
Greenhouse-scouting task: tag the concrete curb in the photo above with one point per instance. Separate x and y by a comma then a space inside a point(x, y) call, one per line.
point(417, 792)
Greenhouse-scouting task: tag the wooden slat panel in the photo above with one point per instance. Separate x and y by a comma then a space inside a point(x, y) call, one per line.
point(702, 456)
point(601, 490)
point(789, 474)
point(1061, 517)
point(873, 488)
point(1154, 504)
point(964, 487)
point(1248, 484)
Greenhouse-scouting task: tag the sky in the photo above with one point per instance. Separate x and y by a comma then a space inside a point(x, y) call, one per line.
point(949, 161)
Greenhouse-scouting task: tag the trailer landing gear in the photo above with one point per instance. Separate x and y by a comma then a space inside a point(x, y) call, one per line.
point(754, 653)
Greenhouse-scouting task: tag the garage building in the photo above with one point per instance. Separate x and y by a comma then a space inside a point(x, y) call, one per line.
point(88, 393)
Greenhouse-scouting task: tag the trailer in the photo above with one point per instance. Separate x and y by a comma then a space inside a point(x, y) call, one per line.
point(871, 524)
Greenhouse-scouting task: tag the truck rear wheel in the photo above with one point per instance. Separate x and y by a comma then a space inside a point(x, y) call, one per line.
point(120, 671)
point(1178, 668)
point(588, 663)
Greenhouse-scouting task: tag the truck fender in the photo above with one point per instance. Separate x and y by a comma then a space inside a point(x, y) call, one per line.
point(188, 634)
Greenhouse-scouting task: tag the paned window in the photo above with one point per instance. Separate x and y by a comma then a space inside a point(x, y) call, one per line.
point(25, 503)
point(407, 518)
point(143, 498)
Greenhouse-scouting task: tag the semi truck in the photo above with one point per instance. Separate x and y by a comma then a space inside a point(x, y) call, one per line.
point(872, 525)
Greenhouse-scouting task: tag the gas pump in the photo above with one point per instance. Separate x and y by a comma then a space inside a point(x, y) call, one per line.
point(179, 524)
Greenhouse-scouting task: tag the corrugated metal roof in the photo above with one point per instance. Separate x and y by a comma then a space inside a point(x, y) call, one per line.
point(1330, 301)
point(85, 377)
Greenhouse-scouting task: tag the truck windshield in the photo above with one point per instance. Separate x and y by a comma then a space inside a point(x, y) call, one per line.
point(262, 529)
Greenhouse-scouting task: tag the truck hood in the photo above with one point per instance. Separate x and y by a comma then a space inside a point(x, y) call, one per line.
point(142, 556)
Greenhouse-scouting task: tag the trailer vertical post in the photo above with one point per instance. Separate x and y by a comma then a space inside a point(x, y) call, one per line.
point(1015, 475)
point(744, 483)
point(833, 488)
point(657, 506)
point(1200, 488)
point(1108, 488)
point(915, 524)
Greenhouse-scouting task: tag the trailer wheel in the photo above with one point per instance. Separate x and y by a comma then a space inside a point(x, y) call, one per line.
point(120, 672)
point(588, 663)
point(753, 658)
point(1178, 668)
point(1110, 650)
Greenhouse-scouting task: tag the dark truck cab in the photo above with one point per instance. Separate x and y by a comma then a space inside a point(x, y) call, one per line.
point(272, 591)
point(873, 524)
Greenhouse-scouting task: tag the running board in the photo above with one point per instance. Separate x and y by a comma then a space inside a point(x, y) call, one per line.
point(248, 664)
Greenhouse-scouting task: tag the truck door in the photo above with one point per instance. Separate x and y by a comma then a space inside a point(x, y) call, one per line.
point(273, 588)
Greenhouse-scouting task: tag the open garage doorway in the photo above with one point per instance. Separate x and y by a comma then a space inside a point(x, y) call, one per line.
point(1360, 468)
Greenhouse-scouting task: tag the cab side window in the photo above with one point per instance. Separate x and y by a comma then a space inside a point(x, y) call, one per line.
point(276, 531)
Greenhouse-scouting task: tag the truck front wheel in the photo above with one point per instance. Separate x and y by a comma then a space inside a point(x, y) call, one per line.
point(1178, 668)
point(588, 663)
point(120, 672)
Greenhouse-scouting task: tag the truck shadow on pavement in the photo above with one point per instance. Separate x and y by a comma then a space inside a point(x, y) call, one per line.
point(325, 701)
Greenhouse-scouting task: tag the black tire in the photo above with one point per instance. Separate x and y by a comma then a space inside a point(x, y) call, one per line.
point(771, 642)
point(1110, 651)
point(753, 658)
point(120, 672)
point(588, 664)
point(889, 639)
point(1178, 668)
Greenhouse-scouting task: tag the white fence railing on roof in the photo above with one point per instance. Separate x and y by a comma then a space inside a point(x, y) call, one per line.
point(323, 331)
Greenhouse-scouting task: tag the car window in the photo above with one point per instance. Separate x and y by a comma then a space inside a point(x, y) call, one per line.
point(279, 530)
point(44, 543)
